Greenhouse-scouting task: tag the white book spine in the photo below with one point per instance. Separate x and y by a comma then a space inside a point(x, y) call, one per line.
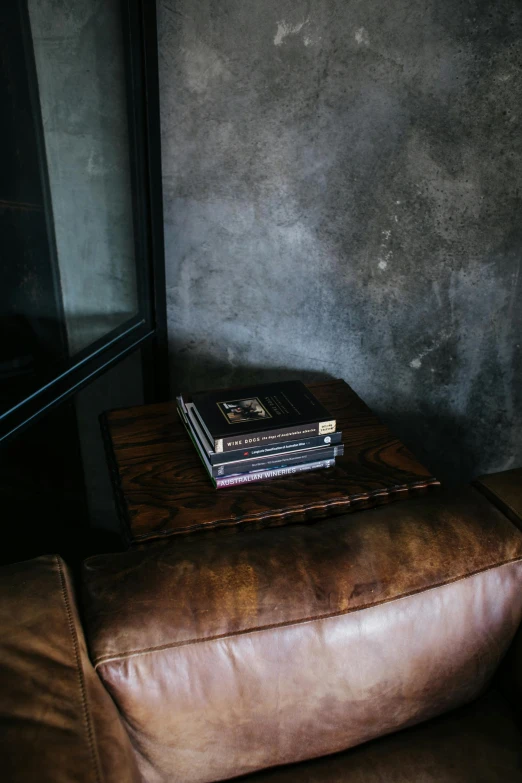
point(263, 475)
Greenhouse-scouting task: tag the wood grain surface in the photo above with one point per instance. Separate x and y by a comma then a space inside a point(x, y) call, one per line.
point(163, 489)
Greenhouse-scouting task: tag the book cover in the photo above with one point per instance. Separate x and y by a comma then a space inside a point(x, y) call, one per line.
point(256, 475)
point(258, 415)
point(263, 475)
point(278, 447)
point(277, 461)
point(250, 453)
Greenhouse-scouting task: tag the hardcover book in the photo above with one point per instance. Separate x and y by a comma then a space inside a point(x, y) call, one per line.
point(278, 461)
point(264, 475)
point(187, 413)
point(273, 461)
point(315, 459)
point(261, 415)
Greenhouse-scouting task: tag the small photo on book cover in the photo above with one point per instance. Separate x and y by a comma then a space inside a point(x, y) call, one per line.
point(250, 409)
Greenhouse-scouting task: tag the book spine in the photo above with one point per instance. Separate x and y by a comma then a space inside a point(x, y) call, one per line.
point(247, 478)
point(277, 460)
point(273, 436)
point(282, 447)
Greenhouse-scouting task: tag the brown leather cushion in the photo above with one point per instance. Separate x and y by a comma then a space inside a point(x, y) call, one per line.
point(478, 743)
point(57, 722)
point(228, 654)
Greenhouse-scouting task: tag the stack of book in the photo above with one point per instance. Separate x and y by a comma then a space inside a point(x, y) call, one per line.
point(262, 432)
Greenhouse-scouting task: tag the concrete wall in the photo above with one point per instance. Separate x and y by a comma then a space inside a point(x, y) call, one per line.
point(342, 197)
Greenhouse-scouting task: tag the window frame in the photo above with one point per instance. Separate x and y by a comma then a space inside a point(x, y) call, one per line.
point(148, 329)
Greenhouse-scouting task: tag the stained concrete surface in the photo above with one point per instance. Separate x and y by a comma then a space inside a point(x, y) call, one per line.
point(342, 198)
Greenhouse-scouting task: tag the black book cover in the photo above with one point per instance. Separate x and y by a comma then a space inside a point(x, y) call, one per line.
point(188, 413)
point(253, 415)
point(268, 472)
point(278, 461)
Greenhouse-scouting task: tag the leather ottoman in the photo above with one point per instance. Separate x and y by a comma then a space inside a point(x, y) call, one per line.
point(231, 654)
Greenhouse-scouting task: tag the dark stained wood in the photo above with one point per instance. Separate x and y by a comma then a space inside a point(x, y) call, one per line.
point(162, 488)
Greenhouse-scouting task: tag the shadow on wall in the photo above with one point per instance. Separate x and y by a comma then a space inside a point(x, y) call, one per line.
point(196, 371)
point(451, 465)
point(441, 443)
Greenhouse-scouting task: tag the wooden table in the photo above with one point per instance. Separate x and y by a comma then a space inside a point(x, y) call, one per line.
point(162, 488)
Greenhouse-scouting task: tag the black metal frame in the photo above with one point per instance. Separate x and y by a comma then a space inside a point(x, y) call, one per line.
point(148, 331)
point(142, 16)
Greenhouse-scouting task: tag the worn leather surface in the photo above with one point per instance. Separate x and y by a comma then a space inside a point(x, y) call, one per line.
point(478, 743)
point(269, 647)
point(57, 722)
point(504, 490)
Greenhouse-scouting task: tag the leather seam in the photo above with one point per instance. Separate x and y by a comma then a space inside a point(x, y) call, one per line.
point(79, 669)
point(108, 658)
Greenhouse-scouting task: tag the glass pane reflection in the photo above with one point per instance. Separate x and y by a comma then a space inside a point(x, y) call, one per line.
point(78, 51)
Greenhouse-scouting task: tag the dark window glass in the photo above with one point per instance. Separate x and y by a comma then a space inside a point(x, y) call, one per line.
point(73, 271)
